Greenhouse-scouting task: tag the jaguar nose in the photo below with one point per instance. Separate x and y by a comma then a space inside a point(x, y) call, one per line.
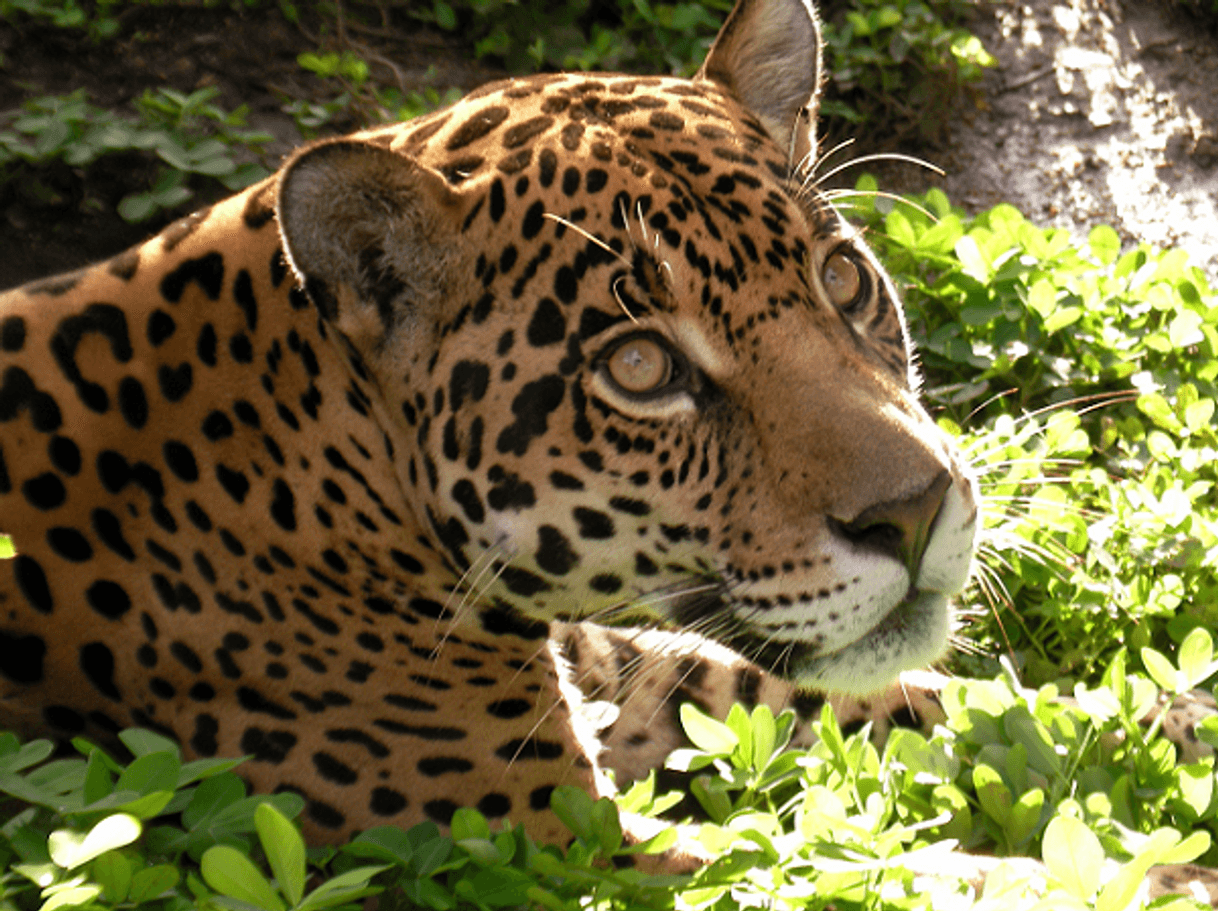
point(899, 529)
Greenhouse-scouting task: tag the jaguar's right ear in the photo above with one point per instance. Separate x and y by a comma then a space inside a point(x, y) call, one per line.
point(370, 235)
point(768, 56)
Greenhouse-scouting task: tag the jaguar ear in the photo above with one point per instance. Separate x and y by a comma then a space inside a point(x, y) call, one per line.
point(767, 56)
point(369, 234)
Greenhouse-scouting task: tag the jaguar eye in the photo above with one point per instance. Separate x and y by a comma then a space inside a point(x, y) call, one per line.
point(842, 279)
point(640, 365)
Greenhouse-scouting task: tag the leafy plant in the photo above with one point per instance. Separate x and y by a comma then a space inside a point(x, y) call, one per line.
point(372, 102)
point(186, 132)
point(1090, 376)
point(100, 23)
point(896, 67)
point(894, 64)
point(841, 825)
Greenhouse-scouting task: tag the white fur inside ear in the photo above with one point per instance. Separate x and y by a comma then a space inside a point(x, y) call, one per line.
point(768, 56)
point(369, 234)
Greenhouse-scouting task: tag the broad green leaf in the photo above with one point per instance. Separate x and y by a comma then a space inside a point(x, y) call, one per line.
point(284, 849)
point(764, 735)
point(469, 823)
point(1199, 415)
point(1062, 317)
point(573, 807)
point(1196, 785)
point(1185, 329)
point(388, 843)
point(1042, 297)
point(1105, 244)
point(1073, 855)
point(113, 873)
point(1160, 669)
point(993, 794)
point(231, 873)
point(77, 895)
point(1155, 407)
point(340, 889)
point(151, 882)
point(149, 773)
point(71, 849)
point(974, 263)
point(706, 733)
point(899, 229)
point(1196, 655)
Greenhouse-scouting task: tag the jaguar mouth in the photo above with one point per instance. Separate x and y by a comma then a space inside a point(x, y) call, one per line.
point(912, 634)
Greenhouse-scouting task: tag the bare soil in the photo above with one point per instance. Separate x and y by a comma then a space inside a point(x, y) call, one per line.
point(1099, 111)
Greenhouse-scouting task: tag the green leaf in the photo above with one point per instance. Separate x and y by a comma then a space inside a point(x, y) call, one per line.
point(1196, 787)
point(284, 849)
point(1185, 329)
point(573, 807)
point(1160, 669)
point(341, 889)
point(993, 794)
point(899, 229)
point(231, 873)
point(706, 733)
point(1073, 855)
point(1155, 407)
point(1025, 816)
point(1196, 655)
point(77, 895)
point(149, 773)
point(152, 882)
point(1105, 244)
point(446, 18)
point(1042, 297)
point(969, 254)
point(113, 873)
point(71, 849)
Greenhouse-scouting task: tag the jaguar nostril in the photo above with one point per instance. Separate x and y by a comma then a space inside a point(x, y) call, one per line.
point(899, 529)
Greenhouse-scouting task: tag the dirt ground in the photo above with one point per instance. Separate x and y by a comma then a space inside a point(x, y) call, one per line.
point(1099, 111)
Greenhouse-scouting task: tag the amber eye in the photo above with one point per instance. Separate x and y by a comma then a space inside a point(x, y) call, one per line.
point(842, 279)
point(640, 365)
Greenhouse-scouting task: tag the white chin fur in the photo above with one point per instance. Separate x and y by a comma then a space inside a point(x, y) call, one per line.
point(913, 634)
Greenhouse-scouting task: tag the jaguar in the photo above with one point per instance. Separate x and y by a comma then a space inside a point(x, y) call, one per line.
point(316, 474)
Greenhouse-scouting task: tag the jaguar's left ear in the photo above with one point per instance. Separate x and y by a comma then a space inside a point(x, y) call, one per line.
point(768, 56)
point(370, 235)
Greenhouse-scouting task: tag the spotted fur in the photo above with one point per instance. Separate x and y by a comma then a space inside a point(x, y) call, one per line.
point(308, 475)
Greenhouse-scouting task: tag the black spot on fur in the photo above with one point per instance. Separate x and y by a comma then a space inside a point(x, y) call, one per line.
point(97, 662)
point(593, 524)
point(267, 746)
point(206, 271)
point(12, 334)
point(283, 505)
point(103, 319)
point(547, 325)
point(108, 598)
point(18, 393)
point(554, 552)
point(64, 455)
point(386, 802)
point(45, 491)
point(21, 658)
point(133, 402)
point(532, 407)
